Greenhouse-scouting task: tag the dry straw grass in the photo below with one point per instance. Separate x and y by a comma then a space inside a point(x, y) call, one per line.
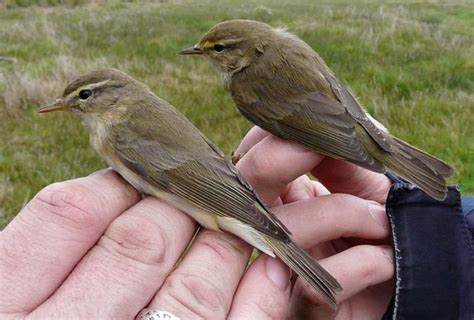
point(21, 89)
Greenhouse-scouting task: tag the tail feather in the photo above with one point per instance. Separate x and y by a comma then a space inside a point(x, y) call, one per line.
point(435, 164)
point(425, 171)
point(300, 262)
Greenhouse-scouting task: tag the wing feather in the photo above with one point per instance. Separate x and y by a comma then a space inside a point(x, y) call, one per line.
point(192, 168)
point(355, 110)
point(316, 121)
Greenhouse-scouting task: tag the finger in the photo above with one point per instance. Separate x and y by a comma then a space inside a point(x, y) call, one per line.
point(204, 283)
point(368, 304)
point(343, 177)
point(374, 301)
point(263, 292)
point(41, 246)
point(120, 275)
point(356, 269)
point(334, 216)
point(254, 136)
point(273, 163)
point(303, 188)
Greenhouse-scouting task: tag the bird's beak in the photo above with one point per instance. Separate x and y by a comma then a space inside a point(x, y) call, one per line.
point(57, 105)
point(192, 50)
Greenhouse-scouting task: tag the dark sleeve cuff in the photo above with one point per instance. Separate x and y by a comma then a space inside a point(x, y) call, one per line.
point(434, 255)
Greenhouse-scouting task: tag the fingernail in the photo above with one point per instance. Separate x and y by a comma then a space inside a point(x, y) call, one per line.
point(388, 252)
point(277, 272)
point(377, 211)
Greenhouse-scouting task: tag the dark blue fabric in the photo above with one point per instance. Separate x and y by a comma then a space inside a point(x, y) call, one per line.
point(434, 255)
point(467, 205)
point(468, 211)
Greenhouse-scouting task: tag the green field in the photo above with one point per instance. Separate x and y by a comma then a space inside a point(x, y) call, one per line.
point(411, 64)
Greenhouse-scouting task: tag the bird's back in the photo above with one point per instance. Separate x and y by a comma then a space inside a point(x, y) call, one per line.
point(170, 153)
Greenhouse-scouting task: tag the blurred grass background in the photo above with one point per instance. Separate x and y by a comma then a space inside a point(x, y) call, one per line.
point(410, 63)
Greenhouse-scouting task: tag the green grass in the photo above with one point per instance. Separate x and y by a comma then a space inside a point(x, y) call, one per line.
point(410, 63)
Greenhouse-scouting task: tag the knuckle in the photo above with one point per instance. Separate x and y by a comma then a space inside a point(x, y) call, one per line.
point(369, 257)
point(197, 295)
point(343, 227)
point(271, 309)
point(346, 200)
point(260, 166)
point(136, 238)
point(68, 204)
point(222, 246)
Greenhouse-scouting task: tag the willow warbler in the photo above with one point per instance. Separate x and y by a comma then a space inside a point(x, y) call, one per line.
point(281, 84)
point(162, 154)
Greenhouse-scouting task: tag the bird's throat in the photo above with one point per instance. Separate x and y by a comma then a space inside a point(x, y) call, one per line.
point(226, 78)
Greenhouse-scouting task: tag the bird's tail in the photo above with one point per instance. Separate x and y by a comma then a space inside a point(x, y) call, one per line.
point(420, 168)
point(300, 262)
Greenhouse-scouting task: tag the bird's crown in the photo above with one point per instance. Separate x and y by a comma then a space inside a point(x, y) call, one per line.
point(236, 30)
point(98, 76)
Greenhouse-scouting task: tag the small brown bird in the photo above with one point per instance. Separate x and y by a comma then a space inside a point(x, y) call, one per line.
point(281, 84)
point(161, 153)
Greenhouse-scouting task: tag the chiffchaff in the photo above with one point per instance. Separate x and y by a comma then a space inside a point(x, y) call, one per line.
point(161, 153)
point(281, 84)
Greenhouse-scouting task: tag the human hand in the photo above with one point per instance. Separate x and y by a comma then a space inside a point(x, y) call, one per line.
point(348, 230)
point(90, 248)
point(54, 266)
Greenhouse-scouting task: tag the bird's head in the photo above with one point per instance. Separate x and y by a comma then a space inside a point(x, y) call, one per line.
point(234, 44)
point(98, 93)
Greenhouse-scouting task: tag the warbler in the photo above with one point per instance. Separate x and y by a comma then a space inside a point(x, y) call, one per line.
point(281, 84)
point(161, 153)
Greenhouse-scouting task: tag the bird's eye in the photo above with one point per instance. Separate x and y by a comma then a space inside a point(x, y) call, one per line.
point(85, 94)
point(218, 48)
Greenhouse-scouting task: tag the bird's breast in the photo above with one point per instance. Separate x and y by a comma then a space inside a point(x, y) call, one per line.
point(98, 133)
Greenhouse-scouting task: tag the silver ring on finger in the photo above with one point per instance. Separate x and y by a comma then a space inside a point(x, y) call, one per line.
point(150, 314)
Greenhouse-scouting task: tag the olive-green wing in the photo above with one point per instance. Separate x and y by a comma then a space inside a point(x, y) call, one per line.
point(353, 107)
point(192, 168)
point(315, 120)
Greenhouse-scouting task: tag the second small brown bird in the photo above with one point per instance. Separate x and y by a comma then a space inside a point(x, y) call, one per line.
point(282, 85)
